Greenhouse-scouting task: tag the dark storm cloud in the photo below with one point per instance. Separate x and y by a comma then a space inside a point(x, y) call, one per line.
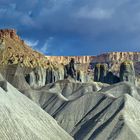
point(74, 27)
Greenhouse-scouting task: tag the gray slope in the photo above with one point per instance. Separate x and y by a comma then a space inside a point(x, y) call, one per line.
point(122, 88)
point(119, 121)
point(21, 119)
point(95, 115)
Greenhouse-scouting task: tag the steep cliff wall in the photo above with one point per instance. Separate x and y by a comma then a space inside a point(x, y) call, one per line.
point(66, 59)
point(117, 57)
point(106, 57)
point(114, 59)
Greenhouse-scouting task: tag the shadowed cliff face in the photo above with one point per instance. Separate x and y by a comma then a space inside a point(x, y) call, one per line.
point(104, 75)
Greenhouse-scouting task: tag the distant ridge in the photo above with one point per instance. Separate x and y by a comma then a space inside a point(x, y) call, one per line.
point(105, 57)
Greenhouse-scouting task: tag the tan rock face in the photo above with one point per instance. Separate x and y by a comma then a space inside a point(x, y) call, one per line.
point(66, 59)
point(118, 56)
point(107, 57)
point(13, 50)
point(114, 59)
point(81, 61)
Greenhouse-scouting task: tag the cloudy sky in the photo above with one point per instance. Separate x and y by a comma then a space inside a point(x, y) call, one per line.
point(74, 27)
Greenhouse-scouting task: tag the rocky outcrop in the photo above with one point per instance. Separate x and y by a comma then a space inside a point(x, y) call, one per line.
point(70, 69)
point(24, 77)
point(13, 50)
point(37, 77)
point(54, 74)
point(67, 59)
point(114, 60)
point(15, 75)
point(102, 74)
point(85, 109)
point(97, 72)
point(127, 72)
point(117, 57)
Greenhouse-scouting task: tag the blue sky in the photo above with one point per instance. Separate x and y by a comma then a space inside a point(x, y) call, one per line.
point(74, 27)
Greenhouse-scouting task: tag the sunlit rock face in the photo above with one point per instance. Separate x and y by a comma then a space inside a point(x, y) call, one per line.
point(13, 50)
point(117, 56)
point(114, 59)
point(103, 58)
point(127, 72)
point(67, 59)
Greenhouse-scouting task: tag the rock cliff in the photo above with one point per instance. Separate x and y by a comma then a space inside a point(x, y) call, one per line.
point(127, 72)
point(103, 58)
point(66, 59)
point(114, 59)
point(117, 56)
point(13, 50)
